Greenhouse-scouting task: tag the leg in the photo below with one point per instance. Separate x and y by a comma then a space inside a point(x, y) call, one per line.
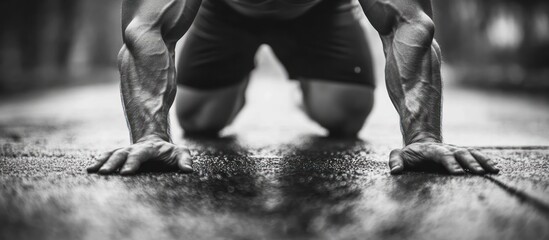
point(340, 108)
point(206, 112)
point(328, 52)
point(213, 69)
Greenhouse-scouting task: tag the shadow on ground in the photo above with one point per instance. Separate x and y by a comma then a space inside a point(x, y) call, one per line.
point(310, 188)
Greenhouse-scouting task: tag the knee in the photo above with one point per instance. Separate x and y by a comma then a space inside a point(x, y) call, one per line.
point(208, 112)
point(198, 120)
point(339, 108)
point(341, 122)
point(342, 125)
point(344, 131)
point(205, 119)
point(194, 125)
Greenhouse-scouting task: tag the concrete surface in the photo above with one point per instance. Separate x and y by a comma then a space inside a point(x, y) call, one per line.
point(272, 175)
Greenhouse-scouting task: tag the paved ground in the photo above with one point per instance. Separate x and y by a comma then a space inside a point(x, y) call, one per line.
point(272, 175)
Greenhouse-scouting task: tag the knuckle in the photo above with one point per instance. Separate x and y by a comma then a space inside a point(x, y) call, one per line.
point(461, 152)
point(146, 144)
point(123, 151)
point(106, 165)
point(395, 153)
point(476, 151)
point(130, 164)
point(187, 152)
point(491, 162)
point(102, 155)
point(446, 154)
point(133, 155)
point(474, 164)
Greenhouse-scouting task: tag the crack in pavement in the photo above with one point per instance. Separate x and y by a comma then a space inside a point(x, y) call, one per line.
point(521, 195)
point(541, 147)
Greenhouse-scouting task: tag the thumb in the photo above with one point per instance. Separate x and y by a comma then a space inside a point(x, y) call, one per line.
point(184, 161)
point(396, 164)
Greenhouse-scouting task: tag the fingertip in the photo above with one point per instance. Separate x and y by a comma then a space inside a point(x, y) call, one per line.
point(478, 170)
point(128, 169)
point(186, 168)
point(185, 162)
point(93, 168)
point(132, 165)
point(457, 171)
point(103, 171)
point(127, 172)
point(396, 170)
point(396, 164)
point(394, 153)
point(493, 167)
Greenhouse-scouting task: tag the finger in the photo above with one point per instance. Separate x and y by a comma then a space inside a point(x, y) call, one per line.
point(448, 161)
point(185, 161)
point(100, 161)
point(468, 161)
point(133, 162)
point(116, 160)
point(487, 163)
point(396, 164)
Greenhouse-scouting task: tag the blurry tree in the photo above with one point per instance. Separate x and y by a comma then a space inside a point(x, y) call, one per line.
point(50, 42)
point(496, 42)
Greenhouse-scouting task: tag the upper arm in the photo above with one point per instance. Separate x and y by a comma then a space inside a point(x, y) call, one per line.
point(169, 18)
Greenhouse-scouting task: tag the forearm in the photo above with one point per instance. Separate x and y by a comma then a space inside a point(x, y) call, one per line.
point(147, 85)
point(414, 82)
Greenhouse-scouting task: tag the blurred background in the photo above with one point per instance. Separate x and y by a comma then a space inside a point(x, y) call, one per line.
point(487, 43)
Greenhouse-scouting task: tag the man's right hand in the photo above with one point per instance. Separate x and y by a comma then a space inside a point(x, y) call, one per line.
point(155, 151)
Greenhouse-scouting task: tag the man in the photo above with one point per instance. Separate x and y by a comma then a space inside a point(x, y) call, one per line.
point(319, 42)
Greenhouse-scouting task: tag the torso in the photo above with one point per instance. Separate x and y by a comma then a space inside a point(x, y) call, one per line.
point(273, 9)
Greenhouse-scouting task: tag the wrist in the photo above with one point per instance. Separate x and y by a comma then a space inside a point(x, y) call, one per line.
point(154, 138)
point(423, 137)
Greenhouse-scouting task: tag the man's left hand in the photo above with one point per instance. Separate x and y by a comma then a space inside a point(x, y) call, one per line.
point(455, 160)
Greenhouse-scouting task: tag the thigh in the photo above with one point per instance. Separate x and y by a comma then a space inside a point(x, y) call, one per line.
point(200, 110)
point(219, 49)
point(340, 108)
point(328, 43)
point(325, 99)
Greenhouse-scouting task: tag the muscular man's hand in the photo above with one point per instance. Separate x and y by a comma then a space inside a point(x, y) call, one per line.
point(421, 156)
point(155, 151)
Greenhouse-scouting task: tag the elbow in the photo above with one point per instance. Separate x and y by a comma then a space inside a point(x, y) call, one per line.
point(122, 56)
point(141, 41)
point(420, 29)
point(139, 34)
point(426, 27)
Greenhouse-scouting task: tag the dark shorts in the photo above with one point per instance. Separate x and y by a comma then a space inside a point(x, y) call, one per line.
point(326, 43)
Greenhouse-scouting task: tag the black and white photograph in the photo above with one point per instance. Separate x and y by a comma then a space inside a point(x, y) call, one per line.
point(274, 119)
